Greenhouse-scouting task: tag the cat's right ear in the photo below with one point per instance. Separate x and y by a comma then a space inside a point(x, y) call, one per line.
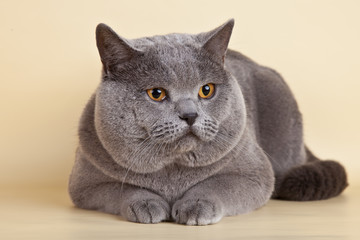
point(112, 48)
point(217, 41)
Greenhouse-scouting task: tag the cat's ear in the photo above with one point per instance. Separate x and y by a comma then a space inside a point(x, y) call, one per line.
point(113, 49)
point(217, 40)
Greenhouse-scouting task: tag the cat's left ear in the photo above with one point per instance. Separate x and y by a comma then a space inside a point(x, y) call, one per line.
point(113, 49)
point(217, 40)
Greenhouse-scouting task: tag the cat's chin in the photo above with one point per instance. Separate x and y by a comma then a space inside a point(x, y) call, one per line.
point(186, 143)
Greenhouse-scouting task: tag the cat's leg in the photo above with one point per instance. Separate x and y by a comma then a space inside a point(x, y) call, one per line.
point(143, 206)
point(223, 195)
point(91, 189)
point(132, 203)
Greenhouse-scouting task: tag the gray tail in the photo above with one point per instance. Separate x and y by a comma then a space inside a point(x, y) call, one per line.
point(315, 180)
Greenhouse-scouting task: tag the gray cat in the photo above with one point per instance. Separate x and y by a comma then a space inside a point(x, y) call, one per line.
point(182, 129)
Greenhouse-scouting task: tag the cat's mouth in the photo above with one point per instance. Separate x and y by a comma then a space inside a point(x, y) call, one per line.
point(180, 139)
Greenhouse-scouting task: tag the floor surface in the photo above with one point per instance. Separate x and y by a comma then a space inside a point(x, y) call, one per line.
point(49, 214)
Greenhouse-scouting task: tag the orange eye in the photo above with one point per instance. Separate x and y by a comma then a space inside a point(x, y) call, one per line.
point(207, 90)
point(156, 94)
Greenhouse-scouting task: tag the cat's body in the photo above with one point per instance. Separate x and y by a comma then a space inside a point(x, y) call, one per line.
point(188, 157)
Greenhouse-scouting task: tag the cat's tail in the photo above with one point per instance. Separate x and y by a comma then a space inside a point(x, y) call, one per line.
point(314, 180)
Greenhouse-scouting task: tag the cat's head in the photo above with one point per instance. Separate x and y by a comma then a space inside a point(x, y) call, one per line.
point(167, 99)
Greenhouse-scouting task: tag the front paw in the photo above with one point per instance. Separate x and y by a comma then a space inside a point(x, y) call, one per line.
point(197, 211)
point(147, 211)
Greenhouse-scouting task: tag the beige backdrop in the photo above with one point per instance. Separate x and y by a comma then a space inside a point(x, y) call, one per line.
point(49, 66)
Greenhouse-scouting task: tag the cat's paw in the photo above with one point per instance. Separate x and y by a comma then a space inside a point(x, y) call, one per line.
point(197, 211)
point(147, 211)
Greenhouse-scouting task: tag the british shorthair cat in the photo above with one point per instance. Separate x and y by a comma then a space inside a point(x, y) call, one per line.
point(183, 129)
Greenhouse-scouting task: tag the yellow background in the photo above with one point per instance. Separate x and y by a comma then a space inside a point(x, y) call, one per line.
point(49, 67)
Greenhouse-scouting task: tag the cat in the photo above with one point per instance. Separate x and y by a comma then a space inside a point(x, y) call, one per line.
point(183, 129)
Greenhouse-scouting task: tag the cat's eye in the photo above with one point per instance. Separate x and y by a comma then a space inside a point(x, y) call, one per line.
point(156, 94)
point(207, 90)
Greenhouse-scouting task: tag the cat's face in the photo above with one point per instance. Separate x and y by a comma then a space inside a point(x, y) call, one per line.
point(167, 99)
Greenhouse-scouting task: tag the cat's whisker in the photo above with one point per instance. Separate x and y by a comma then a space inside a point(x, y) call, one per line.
point(224, 142)
point(130, 155)
point(145, 149)
point(222, 138)
point(138, 156)
point(134, 156)
point(142, 150)
point(154, 154)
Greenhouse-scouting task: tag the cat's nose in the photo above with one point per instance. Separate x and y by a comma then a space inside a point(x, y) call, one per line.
point(189, 117)
point(186, 110)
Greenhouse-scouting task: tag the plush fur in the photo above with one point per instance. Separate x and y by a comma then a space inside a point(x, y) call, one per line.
point(188, 159)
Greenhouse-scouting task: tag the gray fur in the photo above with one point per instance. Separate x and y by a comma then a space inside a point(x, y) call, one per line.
point(138, 158)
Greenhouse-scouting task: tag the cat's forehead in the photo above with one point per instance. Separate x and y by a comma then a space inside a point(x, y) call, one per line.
point(173, 55)
point(166, 41)
point(172, 46)
point(173, 60)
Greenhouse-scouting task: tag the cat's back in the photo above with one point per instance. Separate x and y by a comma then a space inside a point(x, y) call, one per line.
point(270, 102)
point(248, 72)
point(262, 87)
point(272, 110)
point(243, 70)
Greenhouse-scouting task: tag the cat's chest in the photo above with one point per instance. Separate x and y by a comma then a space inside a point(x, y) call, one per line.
point(174, 180)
